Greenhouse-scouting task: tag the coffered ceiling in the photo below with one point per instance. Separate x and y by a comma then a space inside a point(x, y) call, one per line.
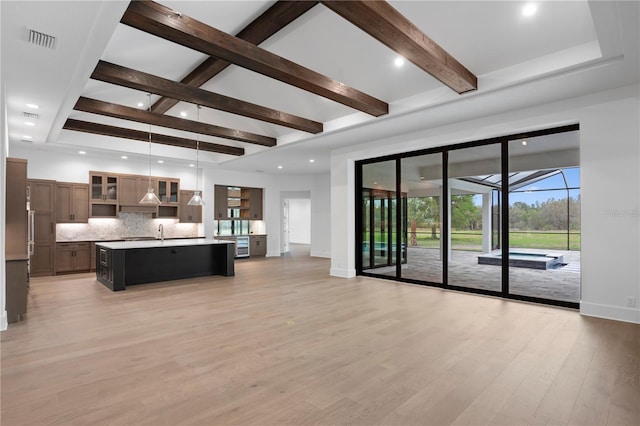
point(279, 82)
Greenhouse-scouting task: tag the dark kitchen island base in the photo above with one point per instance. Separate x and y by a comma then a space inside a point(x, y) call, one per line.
point(126, 263)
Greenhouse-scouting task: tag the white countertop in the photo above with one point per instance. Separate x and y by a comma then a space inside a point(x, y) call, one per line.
point(120, 245)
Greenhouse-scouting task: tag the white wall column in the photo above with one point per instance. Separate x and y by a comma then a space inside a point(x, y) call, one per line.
point(486, 222)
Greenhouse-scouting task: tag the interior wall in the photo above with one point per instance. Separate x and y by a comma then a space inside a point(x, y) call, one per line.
point(4, 152)
point(300, 221)
point(321, 216)
point(610, 172)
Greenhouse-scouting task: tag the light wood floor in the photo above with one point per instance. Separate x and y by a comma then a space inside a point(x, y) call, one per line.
point(282, 343)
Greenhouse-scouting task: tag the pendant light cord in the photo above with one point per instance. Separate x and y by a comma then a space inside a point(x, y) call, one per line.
point(198, 151)
point(149, 99)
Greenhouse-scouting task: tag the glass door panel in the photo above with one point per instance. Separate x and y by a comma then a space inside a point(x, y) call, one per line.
point(474, 184)
point(421, 189)
point(379, 220)
point(544, 217)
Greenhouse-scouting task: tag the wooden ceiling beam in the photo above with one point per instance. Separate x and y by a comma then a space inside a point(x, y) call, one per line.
point(171, 25)
point(133, 79)
point(108, 109)
point(381, 21)
point(278, 16)
point(138, 135)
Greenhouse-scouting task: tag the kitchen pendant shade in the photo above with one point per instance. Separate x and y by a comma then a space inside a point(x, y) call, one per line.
point(150, 198)
point(196, 200)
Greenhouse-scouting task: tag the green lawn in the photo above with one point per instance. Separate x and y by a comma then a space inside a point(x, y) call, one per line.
point(472, 240)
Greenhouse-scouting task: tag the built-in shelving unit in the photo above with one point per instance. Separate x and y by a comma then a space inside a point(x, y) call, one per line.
point(234, 202)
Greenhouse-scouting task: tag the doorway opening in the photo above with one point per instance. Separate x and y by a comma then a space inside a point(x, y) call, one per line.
point(296, 224)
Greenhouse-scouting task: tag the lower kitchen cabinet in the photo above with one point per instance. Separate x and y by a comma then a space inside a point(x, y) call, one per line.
point(73, 257)
point(16, 290)
point(257, 245)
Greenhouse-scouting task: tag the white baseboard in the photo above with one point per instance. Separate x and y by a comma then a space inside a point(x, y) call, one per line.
point(342, 273)
point(618, 313)
point(4, 322)
point(324, 254)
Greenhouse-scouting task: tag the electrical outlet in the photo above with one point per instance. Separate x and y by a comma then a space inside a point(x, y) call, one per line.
point(632, 302)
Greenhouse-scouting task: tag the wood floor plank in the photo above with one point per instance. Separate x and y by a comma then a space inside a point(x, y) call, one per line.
point(283, 343)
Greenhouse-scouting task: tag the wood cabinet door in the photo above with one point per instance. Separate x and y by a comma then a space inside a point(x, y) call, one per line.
point(82, 257)
point(128, 191)
point(258, 245)
point(220, 202)
point(80, 203)
point(255, 204)
point(64, 258)
point(187, 213)
point(63, 203)
point(42, 194)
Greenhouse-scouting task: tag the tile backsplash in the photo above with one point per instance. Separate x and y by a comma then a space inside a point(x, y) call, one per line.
point(127, 225)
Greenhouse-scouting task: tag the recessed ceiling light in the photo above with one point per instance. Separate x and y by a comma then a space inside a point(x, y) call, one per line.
point(192, 165)
point(524, 143)
point(82, 152)
point(529, 9)
point(375, 183)
point(311, 160)
point(160, 161)
point(421, 177)
point(183, 114)
point(27, 137)
point(124, 157)
point(29, 123)
point(399, 61)
point(33, 106)
point(140, 104)
point(279, 167)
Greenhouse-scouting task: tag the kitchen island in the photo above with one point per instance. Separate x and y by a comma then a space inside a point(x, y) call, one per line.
point(123, 263)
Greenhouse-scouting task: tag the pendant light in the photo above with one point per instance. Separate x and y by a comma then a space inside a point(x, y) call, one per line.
point(197, 200)
point(150, 198)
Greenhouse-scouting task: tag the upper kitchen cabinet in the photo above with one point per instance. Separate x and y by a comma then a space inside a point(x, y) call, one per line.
point(72, 202)
point(187, 213)
point(234, 202)
point(168, 190)
point(131, 189)
point(255, 204)
point(103, 195)
point(220, 202)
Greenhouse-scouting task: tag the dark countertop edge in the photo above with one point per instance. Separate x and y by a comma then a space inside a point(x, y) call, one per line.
point(132, 244)
point(14, 257)
point(241, 235)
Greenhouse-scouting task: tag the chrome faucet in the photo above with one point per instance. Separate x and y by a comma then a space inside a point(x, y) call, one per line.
point(161, 232)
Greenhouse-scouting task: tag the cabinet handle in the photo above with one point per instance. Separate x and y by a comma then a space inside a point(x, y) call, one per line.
point(52, 228)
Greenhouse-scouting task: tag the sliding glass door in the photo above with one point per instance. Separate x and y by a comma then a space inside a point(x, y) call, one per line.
point(379, 218)
point(475, 176)
point(421, 182)
point(544, 217)
point(498, 217)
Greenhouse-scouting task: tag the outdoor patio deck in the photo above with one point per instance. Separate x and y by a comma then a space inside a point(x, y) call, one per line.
point(557, 284)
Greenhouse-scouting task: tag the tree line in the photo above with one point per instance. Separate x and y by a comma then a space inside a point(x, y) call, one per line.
point(549, 215)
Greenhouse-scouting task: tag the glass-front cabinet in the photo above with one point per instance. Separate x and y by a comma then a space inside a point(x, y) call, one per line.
point(168, 190)
point(103, 194)
point(104, 188)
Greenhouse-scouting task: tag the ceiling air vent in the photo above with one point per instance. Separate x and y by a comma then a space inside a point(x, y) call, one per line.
point(30, 115)
point(42, 39)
